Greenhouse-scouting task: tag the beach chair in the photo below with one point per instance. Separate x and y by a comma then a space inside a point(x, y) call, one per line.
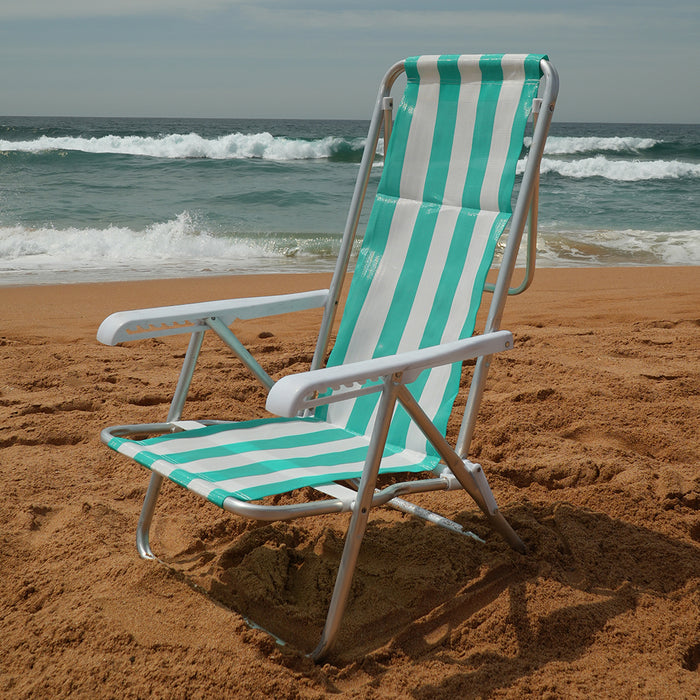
point(381, 403)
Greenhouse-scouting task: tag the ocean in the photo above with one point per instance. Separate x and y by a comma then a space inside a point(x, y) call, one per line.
point(100, 199)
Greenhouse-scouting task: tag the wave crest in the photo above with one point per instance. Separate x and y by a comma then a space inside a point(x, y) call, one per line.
point(261, 145)
point(622, 170)
point(180, 247)
point(572, 145)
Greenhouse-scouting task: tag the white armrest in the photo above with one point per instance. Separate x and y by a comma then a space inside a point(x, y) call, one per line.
point(187, 318)
point(295, 393)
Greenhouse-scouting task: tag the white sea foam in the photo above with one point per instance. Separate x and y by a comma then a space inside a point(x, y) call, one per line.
point(561, 248)
point(175, 248)
point(572, 145)
point(622, 170)
point(231, 146)
point(24, 246)
point(182, 247)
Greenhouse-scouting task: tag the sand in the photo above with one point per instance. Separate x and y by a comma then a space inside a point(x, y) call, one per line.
point(589, 436)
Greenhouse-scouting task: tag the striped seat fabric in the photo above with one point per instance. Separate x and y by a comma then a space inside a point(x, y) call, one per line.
point(443, 201)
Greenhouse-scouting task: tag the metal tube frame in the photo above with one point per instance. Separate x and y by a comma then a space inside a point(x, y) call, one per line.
point(175, 412)
point(176, 405)
point(353, 219)
point(360, 515)
point(550, 89)
point(531, 252)
point(393, 389)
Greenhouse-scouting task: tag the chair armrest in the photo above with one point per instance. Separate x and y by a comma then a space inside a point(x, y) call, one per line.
point(295, 393)
point(124, 326)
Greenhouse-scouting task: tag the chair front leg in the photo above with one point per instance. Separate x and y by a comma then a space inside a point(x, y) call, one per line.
point(360, 515)
point(144, 526)
point(174, 413)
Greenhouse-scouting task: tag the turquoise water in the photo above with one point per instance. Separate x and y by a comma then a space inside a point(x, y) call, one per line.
point(109, 199)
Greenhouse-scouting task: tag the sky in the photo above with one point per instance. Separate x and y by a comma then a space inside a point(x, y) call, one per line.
point(619, 61)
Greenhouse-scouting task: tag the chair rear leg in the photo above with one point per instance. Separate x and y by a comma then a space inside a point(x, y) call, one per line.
point(473, 482)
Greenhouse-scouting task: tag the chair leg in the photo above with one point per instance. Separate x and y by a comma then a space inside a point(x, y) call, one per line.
point(358, 521)
point(175, 412)
point(348, 561)
point(463, 475)
point(143, 528)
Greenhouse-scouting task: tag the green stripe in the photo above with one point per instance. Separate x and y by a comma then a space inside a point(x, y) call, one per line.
point(317, 437)
point(379, 223)
point(491, 77)
point(452, 387)
point(412, 272)
point(449, 279)
point(355, 457)
point(390, 181)
point(257, 492)
point(529, 92)
point(444, 130)
point(272, 466)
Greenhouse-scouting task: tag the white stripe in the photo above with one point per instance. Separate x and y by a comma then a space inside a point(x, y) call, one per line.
point(508, 101)
point(464, 129)
point(420, 135)
point(462, 302)
point(130, 449)
point(189, 424)
point(430, 279)
point(372, 316)
point(402, 460)
point(185, 442)
point(235, 461)
point(513, 66)
point(432, 394)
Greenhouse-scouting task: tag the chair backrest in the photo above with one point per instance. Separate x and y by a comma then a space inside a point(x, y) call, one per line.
point(443, 201)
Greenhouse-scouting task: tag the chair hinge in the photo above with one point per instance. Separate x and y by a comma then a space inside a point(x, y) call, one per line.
point(483, 485)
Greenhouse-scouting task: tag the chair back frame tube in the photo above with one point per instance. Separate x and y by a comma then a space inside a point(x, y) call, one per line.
point(531, 253)
point(522, 207)
point(354, 213)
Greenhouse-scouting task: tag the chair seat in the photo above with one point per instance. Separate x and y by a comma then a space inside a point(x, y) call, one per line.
point(253, 459)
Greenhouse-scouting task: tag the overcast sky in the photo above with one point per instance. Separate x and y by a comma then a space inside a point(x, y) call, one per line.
point(618, 60)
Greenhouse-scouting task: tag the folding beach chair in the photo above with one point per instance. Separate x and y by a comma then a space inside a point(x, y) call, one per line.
point(382, 402)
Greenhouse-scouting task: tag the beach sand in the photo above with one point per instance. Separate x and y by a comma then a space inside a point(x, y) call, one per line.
point(589, 436)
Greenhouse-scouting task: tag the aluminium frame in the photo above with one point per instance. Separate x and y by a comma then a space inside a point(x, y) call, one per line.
point(460, 473)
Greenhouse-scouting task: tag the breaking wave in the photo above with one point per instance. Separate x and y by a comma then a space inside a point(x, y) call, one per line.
point(573, 145)
point(261, 145)
point(622, 170)
point(175, 248)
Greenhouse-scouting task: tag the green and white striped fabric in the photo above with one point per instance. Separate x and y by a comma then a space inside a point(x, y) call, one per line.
point(441, 206)
point(254, 459)
point(443, 201)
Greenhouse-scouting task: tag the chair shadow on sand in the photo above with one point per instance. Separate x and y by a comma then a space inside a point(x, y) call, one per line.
point(425, 593)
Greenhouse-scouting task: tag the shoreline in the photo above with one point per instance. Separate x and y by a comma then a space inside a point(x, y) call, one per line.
point(588, 436)
point(563, 288)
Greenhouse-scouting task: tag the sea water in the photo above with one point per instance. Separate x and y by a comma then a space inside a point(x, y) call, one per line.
point(87, 199)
